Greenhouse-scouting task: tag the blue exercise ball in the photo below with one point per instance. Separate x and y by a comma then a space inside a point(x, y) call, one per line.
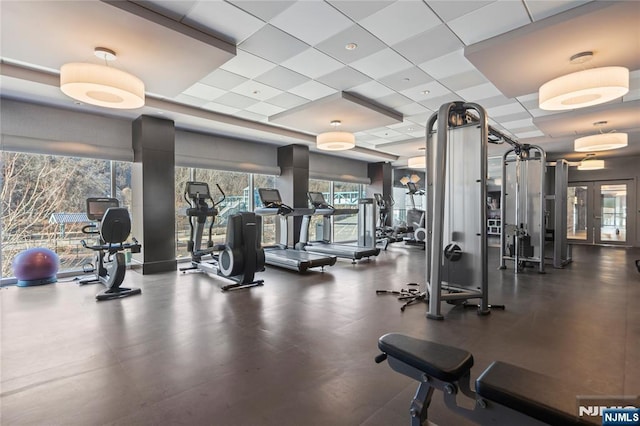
point(36, 266)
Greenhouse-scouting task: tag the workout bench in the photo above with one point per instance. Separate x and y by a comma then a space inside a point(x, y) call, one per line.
point(504, 394)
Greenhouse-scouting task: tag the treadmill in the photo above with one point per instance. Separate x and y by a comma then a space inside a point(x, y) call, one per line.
point(325, 246)
point(279, 254)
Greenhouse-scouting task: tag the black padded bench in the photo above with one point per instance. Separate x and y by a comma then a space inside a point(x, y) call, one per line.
point(504, 393)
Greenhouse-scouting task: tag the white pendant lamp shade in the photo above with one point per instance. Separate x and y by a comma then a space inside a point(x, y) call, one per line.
point(584, 88)
point(335, 141)
point(591, 163)
point(101, 85)
point(419, 162)
point(601, 142)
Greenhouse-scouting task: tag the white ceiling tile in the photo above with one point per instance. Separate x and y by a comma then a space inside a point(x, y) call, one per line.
point(176, 9)
point(223, 79)
point(255, 90)
point(225, 19)
point(440, 40)
point(406, 79)
point(532, 134)
point(247, 65)
point(537, 112)
point(311, 21)
point(235, 100)
point(502, 110)
point(464, 80)
point(448, 10)
point(381, 64)
point(360, 9)
point(434, 103)
point(524, 115)
point(312, 90)
point(447, 65)
point(273, 44)
point(281, 78)
point(420, 118)
point(372, 90)
point(529, 97)
point(189, 100)
point(543, 9)
point(414, 17)
point(394, 100)
point(386, 133)
point(496, 18)
point(344, 78)
point(433, 89)
point(418, 133)
point(477, 93)
point(265, 10)
point(225, 109)
point(264, 108)
point(366, 43)
point(412, 109)
point(287, 100)
point(312, 63)
point(204, 91)
point(251, 116)
point(517, 124)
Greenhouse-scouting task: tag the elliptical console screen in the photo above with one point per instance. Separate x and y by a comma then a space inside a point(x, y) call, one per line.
point(96, 207)
point(198, 189)
point(317, 199)
point(412, 187)
point(269, 196)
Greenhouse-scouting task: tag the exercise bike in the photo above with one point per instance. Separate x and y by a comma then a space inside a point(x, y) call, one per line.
point(240, 257)
point(504, 393)
point(112, 228)
point(415, 220)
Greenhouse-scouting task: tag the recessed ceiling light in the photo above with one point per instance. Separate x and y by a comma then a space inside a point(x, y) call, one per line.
point(351, 46)
point(425, 92)
point(581, 58)
point(409, 128)
point(104, 54)
point(256, 92)
point(406, 79)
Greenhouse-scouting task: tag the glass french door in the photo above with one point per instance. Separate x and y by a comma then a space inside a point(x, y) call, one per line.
point(597, 212)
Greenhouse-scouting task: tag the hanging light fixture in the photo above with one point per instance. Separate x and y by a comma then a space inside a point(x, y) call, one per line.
point(404, 180)
point(601, 141)
point(585, 88)
point(335, 141)
point(590, 163)
point(102, 85)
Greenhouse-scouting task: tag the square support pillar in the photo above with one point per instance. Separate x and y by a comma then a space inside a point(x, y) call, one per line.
point(293, 183)
point(381, 175)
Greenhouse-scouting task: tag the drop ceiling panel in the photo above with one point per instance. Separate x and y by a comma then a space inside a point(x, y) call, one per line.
point(312, 63)
point(247, 65)
point(620, 116)
point(343, 79)
point(488, 21)
point(543, 9)
point(360, 9)
point(273, 44)
point(367, 44)
point(527, 62)
point(265, 10)
point(381, 64)
point(104, 25)
point(448, 10)
point(355, 113)
point(311, 21)
point(229, 21)
point(440, 41)
point(282, 78)
point(447, 65)
point(415, 17)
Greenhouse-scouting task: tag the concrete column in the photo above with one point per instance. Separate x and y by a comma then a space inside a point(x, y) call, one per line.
point(381, 175)
point(153, 193)
point(293, 183)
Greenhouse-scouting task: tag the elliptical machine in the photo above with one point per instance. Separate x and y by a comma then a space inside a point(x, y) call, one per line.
point(415, 220)
point(113, 228)
point(386, 235)
point(240, 257)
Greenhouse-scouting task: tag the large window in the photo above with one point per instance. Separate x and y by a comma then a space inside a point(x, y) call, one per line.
point(316, 223)
point(345, 196)
point(268, 222)
point(44, 203)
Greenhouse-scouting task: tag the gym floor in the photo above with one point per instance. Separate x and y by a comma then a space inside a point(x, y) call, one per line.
point(300, 349)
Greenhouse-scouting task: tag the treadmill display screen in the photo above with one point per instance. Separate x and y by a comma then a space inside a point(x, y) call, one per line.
point(317, 199)
point(269, 196)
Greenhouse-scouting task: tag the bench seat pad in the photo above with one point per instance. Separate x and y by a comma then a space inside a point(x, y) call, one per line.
point(443, 362)
point(542, 397)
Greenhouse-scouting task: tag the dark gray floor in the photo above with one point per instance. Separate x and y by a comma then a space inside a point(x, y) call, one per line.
point(299, 351)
